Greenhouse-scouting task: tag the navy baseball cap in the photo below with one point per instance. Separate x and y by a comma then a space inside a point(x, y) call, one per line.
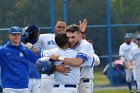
point(128, 35)
point(14, 29)
point(138, 37)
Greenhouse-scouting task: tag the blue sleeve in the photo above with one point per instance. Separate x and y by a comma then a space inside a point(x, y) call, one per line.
point(0, 59)
point(39, 53)
point(1, 55)
point(32, 57)
point(83, 56)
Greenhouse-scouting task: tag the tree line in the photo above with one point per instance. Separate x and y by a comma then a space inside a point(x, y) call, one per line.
point(25, 12)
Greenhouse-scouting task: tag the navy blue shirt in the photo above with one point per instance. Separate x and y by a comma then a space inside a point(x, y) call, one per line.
point(14, 61)
point(33, 73)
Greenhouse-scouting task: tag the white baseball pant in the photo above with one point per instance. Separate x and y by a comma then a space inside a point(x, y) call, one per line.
point(86, 86)
point(34, 85)
point(128, 75)
point(11, 90)
point(138, 78)
point(47, 85)
point(65, 89)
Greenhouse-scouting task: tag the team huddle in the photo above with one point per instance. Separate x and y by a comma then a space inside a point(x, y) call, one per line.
point(48, 63)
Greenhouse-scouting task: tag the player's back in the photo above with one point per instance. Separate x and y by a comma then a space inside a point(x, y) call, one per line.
point(74, 76)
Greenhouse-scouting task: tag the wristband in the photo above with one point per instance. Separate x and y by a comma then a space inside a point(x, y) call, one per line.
point(83, 32)
point(32, 47)
point(61, 58)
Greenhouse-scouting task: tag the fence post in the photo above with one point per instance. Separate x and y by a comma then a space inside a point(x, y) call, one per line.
point(109, 40)
point(65, 10)
point(52, 15)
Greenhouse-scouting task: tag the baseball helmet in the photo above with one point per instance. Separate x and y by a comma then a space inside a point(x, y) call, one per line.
point(30, 34)
point(44, 65)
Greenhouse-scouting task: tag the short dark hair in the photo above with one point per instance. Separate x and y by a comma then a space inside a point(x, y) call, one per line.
point(61, 39)
point(73, 28)
point(59, 20)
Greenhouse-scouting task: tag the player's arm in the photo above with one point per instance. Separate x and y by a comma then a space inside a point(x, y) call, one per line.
point(130, 65)
point(32, 57)
point(83, 26)
point(130, 59)
point(96, 60)
point(62, 69)
point(70, 61)
point(76, 62)
point(121, 54)
point(33, 48)
point(89, 55)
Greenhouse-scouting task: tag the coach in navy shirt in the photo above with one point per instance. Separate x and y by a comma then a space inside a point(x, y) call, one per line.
point(14, 63)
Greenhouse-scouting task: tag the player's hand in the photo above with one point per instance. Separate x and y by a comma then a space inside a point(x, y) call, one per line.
point(83, 25)
point(125, 65)
point(28, 45)
point(62, 68)
point(131, 67)
point(54, 57)
point(43, 59)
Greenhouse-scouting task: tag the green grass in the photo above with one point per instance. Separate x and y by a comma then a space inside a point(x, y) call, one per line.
point(112, 91)
point(101, 80)
point(99, 77)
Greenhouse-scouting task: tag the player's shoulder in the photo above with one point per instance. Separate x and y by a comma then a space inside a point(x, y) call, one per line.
point(46, 35)
point(52, 50)
point(133, 43)
point(71, 50)
point(86, 44)
point(135, 47)
point(123, 45)
point(67, 51)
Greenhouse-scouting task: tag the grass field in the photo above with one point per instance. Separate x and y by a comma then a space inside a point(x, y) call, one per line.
point(102, 81)
point(113, 91)
point(99, 77)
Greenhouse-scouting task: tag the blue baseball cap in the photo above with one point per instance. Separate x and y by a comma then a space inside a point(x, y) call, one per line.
point(128, 35)
point(14, 29)
point(138, 37)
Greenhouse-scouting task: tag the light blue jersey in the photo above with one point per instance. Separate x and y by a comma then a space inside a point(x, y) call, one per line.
point(74, 76)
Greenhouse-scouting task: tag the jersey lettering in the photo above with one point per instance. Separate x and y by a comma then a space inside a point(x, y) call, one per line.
point(51, 42)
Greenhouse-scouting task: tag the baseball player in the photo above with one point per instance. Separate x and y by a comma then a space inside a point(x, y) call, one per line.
point(65, 83)
point(82, 46)
point(34, 76)
point(46, 42)
point(134, 58)
point(124, 53)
